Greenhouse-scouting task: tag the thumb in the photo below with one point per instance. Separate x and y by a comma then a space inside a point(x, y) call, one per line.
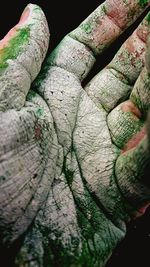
point(22, 52)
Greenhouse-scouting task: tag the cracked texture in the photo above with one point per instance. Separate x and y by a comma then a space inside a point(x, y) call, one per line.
point(69, 179)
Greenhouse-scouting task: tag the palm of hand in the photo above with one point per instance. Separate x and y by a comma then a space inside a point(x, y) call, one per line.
point(59, 149)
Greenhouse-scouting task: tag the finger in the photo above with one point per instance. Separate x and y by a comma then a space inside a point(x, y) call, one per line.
point(113, 84)
point(28, 154)
point(126, 121)
point(77, 50)
point(132, 176)
point(21, 54)
point(140, 94)
point(68, 63)
point(107, 22)
point(125, 125)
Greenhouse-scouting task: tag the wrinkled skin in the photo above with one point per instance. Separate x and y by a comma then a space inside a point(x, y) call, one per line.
point(73, 160)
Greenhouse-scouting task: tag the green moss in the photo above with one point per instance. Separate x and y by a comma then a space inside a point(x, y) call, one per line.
point(136, 100)
point(86, 27)
point(39, 112)
point(104, 9)
point(130, 131)
point(14, 46)
point(143, 2)
point(31, 95)
point(148, 18)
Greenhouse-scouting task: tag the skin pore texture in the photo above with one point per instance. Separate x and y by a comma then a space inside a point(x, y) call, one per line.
point(73, 160)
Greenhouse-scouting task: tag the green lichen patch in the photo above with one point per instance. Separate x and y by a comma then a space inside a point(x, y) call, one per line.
point(31, 95)
point(14, 46)
point(86, 27)
point(143, 3)
point(104, 9)
point(39, 112)
point(136, 100)
point(148, 18)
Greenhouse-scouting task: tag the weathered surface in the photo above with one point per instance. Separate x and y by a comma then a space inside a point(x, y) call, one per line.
point(64, 182)
point(108, 21)
point(22, 52)
point(114, 83)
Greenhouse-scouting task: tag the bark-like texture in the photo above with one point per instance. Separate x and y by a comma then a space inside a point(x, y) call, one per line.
point(114, 83)
point(65, 186)
point(22, 52)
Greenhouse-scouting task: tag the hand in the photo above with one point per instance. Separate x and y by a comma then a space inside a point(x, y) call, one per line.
point(73, 161)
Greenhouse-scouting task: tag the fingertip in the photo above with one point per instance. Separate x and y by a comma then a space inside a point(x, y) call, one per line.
point(22, 52)
point(28, 13)
point(25, 15)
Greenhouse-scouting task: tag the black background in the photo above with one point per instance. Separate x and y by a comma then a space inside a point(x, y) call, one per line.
point(63, 17)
